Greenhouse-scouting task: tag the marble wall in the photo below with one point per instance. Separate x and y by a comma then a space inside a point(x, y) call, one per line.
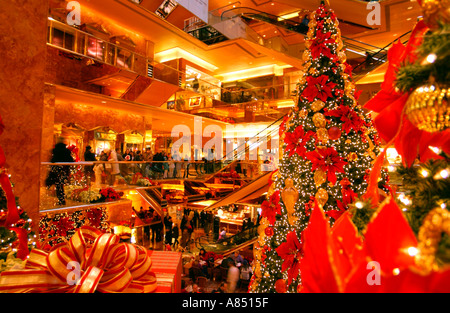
point(23, 51)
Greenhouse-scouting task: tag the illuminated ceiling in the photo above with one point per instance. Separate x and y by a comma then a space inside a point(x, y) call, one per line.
point(397, 17)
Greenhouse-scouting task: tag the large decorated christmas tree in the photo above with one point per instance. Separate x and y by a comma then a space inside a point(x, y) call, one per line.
point(329, 146)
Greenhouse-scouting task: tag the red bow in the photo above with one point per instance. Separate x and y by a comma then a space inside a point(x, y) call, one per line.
point(392, 125)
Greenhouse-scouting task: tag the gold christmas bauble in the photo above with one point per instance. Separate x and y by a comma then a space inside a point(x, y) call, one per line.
point(319, 177)
point(308, 43)
point(427, 108)
point(319, 120)
point(342, 56)
point(317, 105)
point(322, 134)
point(352, 156)
point(303, 113)
point(322, 196)
point(435, 12)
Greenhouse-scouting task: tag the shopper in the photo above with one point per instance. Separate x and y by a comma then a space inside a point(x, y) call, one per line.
point(122, 166)
point(171, 166)
point(223, 288)
point(169, 231)
point(237, 258)
point(233, 276)
point(89, 156)
point(175, 235)
point(59, 174)
point(114, 167)
point(203, 262)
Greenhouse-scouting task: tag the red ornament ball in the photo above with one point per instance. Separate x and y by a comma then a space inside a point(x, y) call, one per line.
point(269, 231)
point(334, 133)
point(280, 286)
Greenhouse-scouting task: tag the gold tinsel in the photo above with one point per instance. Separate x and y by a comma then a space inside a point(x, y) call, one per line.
point(435, 223)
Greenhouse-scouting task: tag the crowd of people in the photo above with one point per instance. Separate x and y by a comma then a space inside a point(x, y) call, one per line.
point(236, 272)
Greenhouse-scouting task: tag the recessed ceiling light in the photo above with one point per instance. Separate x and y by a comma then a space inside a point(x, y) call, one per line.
point(409, 18)
point(410, 8)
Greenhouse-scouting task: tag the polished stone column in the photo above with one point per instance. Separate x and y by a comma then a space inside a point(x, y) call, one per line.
point(23, 52)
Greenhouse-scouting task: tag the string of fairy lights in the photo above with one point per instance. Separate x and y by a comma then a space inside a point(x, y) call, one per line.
point(356, 144)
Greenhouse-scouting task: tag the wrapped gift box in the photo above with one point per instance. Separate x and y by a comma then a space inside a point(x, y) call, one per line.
point(167, 267)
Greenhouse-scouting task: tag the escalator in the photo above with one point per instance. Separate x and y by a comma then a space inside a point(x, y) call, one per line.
point(226, 166)
point(153, 196)
point(376, 59)
point(249, 14)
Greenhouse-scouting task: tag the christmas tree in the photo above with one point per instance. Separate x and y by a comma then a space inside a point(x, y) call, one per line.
point(329, 145)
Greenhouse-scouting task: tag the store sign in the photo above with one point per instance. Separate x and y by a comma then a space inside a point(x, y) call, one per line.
point(198, 7)
point(105, 136)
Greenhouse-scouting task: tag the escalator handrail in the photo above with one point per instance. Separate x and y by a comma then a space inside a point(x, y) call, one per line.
point(275, 17)
point(225, 158)
point(385, 48)
point(252, 233)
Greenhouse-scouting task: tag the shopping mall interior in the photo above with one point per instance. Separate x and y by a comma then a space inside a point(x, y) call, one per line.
point(143, 79)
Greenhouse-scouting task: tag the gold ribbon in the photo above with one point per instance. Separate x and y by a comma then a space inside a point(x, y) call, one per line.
point(106, 265)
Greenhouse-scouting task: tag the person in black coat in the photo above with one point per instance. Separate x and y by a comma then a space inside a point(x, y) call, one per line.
point(89, 156)
point(59, 174)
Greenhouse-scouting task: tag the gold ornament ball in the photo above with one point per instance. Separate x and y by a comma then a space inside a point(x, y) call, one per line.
point(322, 134)
point(427, 108)
point(342, 56)
point(319, 120)
point(319, 177)
point(317, 105)
point(435, 12)
point(322, 196)
point(352, 156)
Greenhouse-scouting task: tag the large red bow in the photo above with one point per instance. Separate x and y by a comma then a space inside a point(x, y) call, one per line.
point(392, 125)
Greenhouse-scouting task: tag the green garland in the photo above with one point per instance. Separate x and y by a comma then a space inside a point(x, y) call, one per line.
point(412, 76)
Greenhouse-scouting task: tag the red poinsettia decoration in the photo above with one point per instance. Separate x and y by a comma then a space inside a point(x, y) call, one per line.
point(296, 141)
point(320, 44)
point(318, 87)
point(328, 160)
point(95, 217)
point(348, 196)
point(349, 118)
point(63, 225)
point(291, 251)
point(337, 259)
point(270, 208)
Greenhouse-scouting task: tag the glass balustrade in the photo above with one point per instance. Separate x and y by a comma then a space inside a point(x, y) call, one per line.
point(81, 183)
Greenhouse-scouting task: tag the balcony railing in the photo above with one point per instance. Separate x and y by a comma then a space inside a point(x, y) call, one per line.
point(81, 183)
